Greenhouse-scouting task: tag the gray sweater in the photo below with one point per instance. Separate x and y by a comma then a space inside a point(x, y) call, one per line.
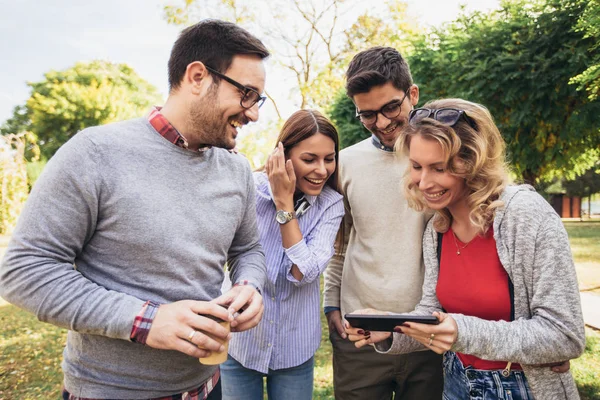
point(533, 248)
point(141, 219)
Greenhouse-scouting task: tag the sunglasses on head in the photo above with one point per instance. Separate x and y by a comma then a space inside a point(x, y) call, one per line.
point(445, 116)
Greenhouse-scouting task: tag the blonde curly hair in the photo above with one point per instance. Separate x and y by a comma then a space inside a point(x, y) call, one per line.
point(474, 151)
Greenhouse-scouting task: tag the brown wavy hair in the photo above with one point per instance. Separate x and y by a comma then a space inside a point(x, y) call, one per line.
point(474, 151)
point(300, 126)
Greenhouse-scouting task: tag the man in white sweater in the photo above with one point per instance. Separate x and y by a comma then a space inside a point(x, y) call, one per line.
point(381, 266)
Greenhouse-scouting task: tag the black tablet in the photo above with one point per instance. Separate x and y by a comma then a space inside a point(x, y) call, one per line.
point(386, 323)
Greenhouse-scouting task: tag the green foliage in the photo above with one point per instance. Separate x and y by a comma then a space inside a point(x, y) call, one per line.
point(85, 95)
point(589, 24)
point(13, 173)
point(256, 145)
point(518, 61)
point(343, 114)
point(586, 184)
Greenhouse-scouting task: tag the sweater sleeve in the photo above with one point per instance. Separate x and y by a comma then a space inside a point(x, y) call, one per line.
point(246, 258)
point(312, 253)
point(555, 331)
point(38, 272)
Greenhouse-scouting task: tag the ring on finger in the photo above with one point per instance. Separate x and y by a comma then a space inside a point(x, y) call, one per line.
point(431, 338)
point(190, 337)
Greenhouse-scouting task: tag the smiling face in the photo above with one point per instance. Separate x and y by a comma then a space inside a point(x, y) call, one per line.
point(428, 172)
point(314, 162)
point(218, 114)
point(387, 130)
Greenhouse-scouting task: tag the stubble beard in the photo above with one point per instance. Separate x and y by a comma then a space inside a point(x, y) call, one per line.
point(207, 121)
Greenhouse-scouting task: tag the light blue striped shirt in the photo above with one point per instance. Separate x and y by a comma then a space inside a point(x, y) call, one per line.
point(290, 330)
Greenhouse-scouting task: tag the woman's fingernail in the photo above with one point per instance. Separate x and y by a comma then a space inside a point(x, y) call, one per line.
point(367, 333)
point(398, 330)
point(360, 332)
point(406, 325)
point(368, 337)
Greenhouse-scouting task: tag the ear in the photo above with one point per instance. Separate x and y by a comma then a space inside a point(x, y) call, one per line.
point(414, 94)
point(196, 77)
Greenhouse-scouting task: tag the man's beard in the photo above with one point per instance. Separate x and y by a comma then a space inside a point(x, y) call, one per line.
point(206, 121)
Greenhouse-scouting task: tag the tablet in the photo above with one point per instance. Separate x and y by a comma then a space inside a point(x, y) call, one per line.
point(387, 323)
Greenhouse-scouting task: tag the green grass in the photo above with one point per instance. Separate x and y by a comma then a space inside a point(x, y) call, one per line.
point(586, 369)
point(30, 356)
point(31, 351)
point(585, 240)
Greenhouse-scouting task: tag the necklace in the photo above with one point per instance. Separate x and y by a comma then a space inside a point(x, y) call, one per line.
point(458, 248)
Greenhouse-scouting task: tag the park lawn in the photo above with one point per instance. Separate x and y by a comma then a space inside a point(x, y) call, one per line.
point(31, 351)
point(585, 245)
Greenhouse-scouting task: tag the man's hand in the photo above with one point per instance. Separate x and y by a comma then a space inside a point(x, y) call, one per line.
point(245, 300)
point(334, 322)
point(175, 323)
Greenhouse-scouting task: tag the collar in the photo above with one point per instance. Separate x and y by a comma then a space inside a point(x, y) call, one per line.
point(299, 208)
point(377, 143)
point(168, 131)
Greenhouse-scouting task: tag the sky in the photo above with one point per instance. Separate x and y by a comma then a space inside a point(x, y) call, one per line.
point(37, 36)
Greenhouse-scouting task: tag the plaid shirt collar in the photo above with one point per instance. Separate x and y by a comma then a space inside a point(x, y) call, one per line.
point(168, 131)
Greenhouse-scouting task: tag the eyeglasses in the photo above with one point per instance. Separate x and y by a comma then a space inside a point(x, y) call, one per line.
point(390, 110)
point(250, 96)
point(445, 116)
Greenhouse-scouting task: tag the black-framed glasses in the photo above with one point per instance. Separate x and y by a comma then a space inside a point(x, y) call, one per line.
point(445, 116)
point(250, 96)
point(390, 110)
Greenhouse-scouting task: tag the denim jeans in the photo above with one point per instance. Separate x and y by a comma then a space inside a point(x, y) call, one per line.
point(240, 383)
point(474, 384)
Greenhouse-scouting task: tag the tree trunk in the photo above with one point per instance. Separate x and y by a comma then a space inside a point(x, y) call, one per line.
point(529, 177)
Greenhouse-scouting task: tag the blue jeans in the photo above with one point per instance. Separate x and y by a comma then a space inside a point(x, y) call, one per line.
point(241, 383)
point(475, 384)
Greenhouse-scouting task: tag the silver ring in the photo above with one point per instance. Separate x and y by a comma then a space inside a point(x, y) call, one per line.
point(191, 335)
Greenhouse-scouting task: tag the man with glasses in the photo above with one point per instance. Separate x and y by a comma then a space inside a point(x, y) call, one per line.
point(124, 237)
point(381, 264)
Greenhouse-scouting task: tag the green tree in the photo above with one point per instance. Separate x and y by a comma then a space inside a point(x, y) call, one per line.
point(518, 61)
point(87, 94)
point(343, 114)
point(589, 24)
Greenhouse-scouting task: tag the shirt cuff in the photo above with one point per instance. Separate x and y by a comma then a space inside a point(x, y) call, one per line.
point(329, 309)
point(250, 283)
point(143, 322)
point(298, 253)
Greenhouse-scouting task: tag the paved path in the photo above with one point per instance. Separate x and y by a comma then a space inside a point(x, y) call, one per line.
point(590, 303)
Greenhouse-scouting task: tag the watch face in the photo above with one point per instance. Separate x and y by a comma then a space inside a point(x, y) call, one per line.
point(281, 217)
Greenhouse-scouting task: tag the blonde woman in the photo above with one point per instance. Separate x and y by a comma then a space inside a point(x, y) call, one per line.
point(499, 273)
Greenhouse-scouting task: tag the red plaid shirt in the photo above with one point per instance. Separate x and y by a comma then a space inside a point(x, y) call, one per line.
point(200, 393)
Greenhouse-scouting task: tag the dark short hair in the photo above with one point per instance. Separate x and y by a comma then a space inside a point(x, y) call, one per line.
point(375, 67)
point(214, 43)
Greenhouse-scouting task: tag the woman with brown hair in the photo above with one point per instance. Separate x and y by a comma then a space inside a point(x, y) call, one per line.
point(499, 275)
point(299, 210)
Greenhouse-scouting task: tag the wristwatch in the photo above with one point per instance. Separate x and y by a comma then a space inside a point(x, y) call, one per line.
point(283, 217)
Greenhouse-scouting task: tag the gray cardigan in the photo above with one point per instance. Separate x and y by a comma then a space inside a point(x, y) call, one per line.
point(534, 250)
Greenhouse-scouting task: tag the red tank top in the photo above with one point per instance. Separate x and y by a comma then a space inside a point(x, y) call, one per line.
point(474, 283)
